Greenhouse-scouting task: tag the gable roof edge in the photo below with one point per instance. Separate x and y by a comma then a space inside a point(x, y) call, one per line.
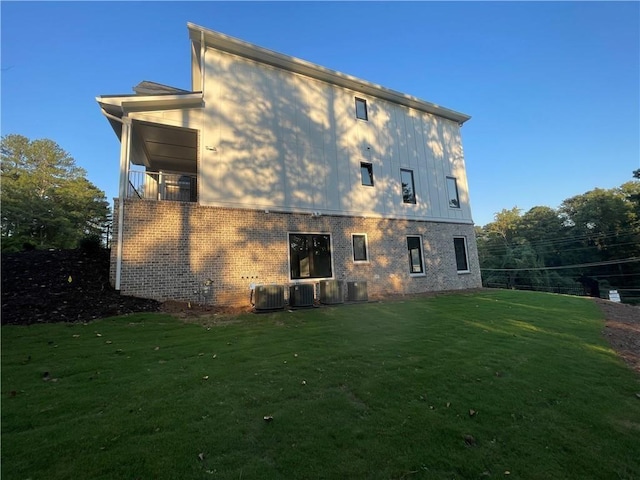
point(248, 50)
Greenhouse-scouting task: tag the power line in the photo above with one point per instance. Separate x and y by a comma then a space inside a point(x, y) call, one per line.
point(581, 265)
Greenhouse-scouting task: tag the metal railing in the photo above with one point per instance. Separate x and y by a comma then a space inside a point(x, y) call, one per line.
point(176, 187)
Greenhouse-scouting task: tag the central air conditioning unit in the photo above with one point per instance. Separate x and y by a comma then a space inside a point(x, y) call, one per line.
point(331, 291)
point(301, 295)
point(357, 292)
point(268, 297)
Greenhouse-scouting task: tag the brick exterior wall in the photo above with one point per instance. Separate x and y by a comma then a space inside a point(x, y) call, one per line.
point(171, 249)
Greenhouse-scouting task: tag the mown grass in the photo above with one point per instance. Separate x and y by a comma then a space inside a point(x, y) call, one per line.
point(367, 391)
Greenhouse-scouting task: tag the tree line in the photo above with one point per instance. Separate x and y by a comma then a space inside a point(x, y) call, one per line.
point(591, 240)
point(47, 201)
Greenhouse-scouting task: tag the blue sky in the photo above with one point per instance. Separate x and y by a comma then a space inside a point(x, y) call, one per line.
point(553, 88)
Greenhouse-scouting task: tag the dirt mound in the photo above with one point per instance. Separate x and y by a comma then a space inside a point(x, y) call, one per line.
point(44, 286)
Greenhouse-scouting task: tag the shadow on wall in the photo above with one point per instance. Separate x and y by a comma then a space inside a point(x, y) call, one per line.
point(173, 248)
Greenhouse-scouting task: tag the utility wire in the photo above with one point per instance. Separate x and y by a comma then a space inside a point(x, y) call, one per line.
point(581, 265)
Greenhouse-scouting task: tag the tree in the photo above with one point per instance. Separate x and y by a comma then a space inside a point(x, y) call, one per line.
point(46, 199)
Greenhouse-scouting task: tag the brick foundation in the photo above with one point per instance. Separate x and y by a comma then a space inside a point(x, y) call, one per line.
point(172, 249)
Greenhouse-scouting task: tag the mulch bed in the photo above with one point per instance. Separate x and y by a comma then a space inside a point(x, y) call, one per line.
point(44, 286)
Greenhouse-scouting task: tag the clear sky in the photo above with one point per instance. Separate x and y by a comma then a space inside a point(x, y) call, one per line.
point(553, 89)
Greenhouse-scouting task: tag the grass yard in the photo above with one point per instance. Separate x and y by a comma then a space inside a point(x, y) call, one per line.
point(497, 384)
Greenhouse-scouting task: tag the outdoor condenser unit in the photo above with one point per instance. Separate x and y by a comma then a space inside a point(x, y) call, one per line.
point(357, 292)
point(331, 291)
point(301, 295)
point(268, 297)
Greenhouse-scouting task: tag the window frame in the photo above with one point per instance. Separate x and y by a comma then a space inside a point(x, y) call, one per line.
point(413, 186)
point(366, 248)
point(456, 197)
point(466, 254)
point(331, 256)
point(412, 273)
point(363, 102)
point(369, 167)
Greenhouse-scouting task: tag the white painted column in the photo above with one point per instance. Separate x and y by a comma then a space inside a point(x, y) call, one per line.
point(125, 152)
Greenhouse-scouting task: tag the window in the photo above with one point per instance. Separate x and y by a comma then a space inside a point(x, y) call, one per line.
point(414, 245)
point(361, 109)
point(452, 189)
point(408, 188)
point(310, 255)
point(460, 246)
point(360, 251)
point(366, 171)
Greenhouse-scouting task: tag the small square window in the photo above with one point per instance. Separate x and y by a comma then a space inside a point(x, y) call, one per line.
point(460, 246)
point(360, 250)
point(361, 109)
point(366, 171)
point(452, 190)
point(416, 265)
point(408, 187)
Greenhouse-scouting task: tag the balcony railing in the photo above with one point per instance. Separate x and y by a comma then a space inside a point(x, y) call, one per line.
point(176, 187)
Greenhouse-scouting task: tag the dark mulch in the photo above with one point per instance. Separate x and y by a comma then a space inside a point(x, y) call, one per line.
point(43, 286)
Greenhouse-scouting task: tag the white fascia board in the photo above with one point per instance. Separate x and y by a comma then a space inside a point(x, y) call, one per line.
point(244, 49)
point(122, 103)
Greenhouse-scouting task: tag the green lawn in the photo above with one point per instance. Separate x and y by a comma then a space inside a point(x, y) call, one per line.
point(365, 391)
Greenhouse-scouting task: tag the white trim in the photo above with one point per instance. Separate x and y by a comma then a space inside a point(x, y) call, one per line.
point(423, 265)
point(366, 249)
point(226, 43)
point(125, 152)
point(466, 253)
point(336, 213)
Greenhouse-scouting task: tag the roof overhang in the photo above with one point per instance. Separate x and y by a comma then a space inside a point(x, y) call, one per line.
point(120, 105)
point(244, 49)
point(166, 147)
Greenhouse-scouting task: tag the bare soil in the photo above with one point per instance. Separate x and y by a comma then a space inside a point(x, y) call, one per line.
point(73, 286)
point(622, 330)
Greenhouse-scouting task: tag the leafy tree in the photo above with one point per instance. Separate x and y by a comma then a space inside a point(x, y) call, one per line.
point(46, 199)
point(598, 230)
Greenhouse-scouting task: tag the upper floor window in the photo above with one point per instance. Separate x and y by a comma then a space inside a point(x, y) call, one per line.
point(452, 190)
point(408, 187)
point(360, 251)
point(366, 171)
point(361, 109)
point(460, 246)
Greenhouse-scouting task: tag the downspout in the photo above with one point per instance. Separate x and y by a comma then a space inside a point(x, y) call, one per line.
point(202, 51)
point(125, 147)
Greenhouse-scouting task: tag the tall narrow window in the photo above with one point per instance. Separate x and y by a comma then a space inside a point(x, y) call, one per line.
point(366, 172)
point(360, 251)
point(310, 255)
point(361, 109)
point(414, 245)
point(460, 245)
point(452, 189)
point(408, 187)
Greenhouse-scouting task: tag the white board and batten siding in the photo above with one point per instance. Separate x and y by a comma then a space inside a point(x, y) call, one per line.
point(274, 139)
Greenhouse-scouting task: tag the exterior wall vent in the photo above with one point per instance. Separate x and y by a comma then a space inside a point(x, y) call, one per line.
point(269, 297)
point(301, 295)
point(357, 292)
point(331, 291)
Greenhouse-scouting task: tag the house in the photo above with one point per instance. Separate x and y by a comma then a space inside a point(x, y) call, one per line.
point(274, 170)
